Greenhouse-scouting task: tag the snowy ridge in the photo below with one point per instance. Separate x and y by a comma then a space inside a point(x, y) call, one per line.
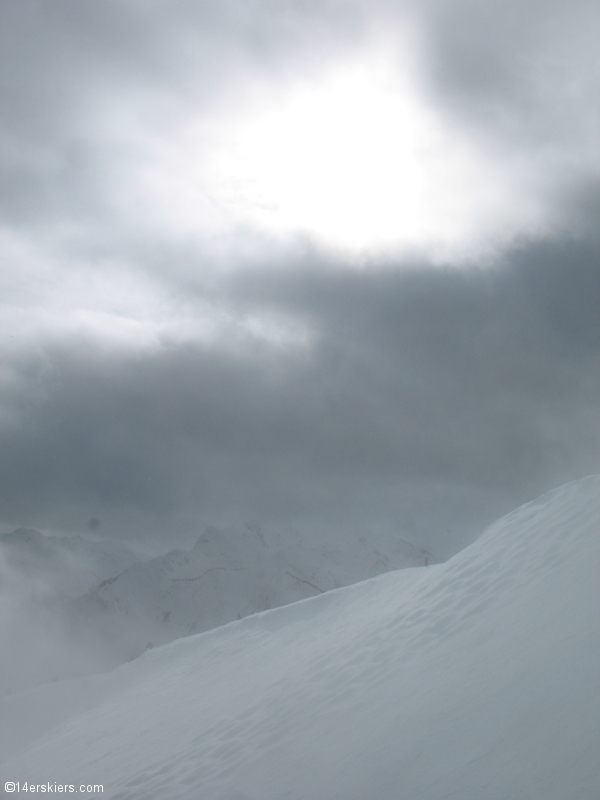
point(475, 679)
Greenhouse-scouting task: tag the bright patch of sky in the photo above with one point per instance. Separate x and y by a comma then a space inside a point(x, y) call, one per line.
point(355, 159)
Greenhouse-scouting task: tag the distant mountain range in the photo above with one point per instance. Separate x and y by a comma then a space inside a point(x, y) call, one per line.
point(230, 574)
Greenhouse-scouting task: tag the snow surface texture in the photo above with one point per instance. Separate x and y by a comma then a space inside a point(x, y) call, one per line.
point(477, 679)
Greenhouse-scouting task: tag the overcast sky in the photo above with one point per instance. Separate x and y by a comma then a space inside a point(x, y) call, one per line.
point(325, 266)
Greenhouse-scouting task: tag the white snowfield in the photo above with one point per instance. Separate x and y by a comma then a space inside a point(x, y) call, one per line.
point(477, 679)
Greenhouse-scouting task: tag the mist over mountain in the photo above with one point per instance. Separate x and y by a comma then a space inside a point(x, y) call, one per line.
point(73, 606)
point(69, 565)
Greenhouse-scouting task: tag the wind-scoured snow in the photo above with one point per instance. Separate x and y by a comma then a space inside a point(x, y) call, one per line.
point(477, 679)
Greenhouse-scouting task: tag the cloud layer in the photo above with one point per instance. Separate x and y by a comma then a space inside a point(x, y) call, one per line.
point(162, 370)
point(468, 387)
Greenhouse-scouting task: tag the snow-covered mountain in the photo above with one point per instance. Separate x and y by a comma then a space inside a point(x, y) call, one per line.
point(230, 574)
point(477, 678)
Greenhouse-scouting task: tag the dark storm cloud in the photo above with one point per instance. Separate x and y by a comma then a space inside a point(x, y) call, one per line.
point(489, 55)
point(523, 75)
point(452, 394)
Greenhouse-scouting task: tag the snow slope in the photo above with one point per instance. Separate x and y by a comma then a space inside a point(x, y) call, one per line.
point(230, 574)
point(477, 679)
